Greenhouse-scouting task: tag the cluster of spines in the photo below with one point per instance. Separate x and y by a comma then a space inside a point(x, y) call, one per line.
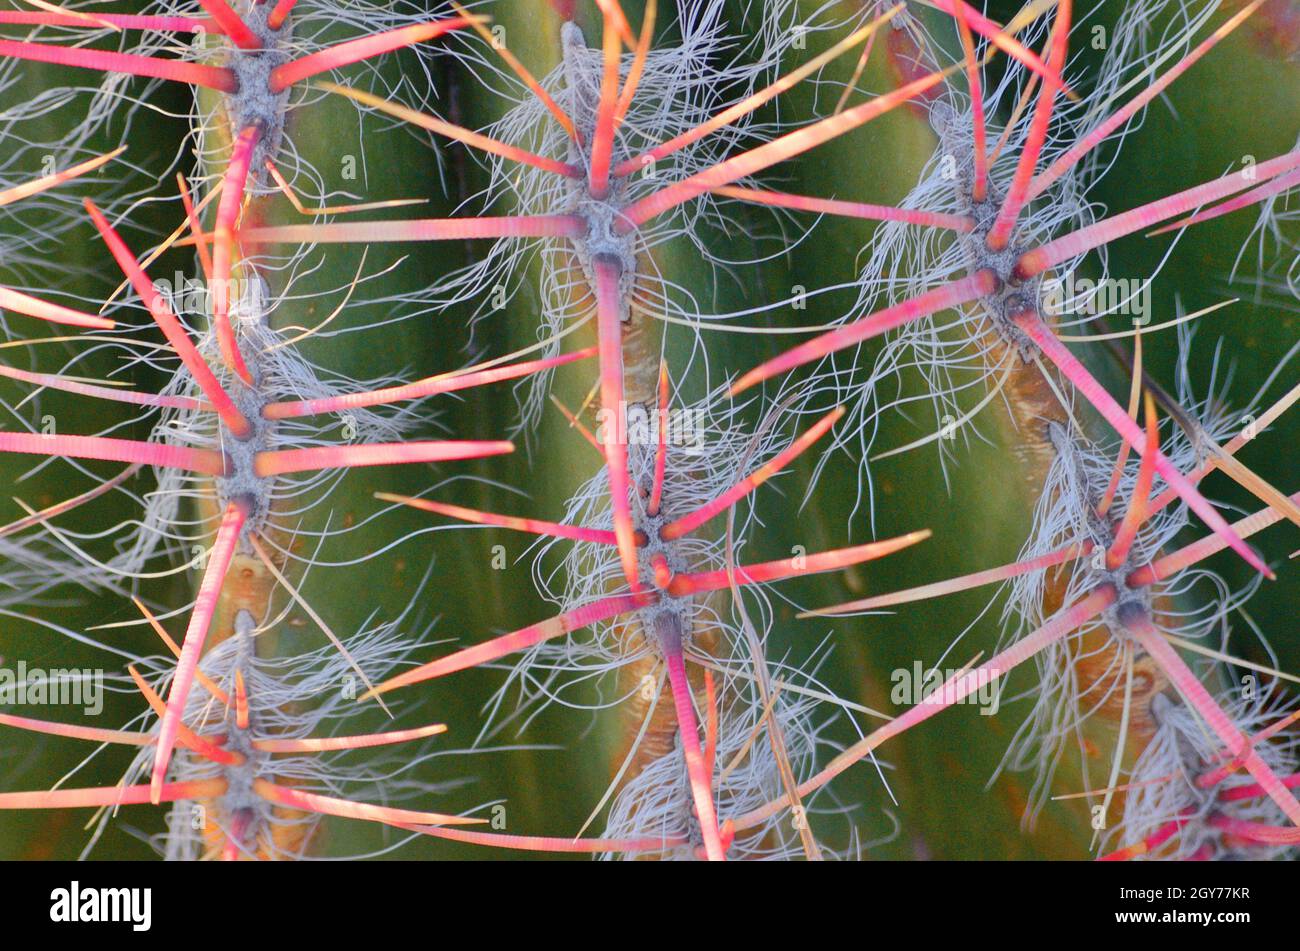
point(610, 262)
point(1005, 302)
point(229, 431)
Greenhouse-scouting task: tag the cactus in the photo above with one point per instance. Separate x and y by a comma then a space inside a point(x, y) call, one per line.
point(641, 430)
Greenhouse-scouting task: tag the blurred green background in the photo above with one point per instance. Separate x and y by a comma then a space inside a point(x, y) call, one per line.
point(1240, 101)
